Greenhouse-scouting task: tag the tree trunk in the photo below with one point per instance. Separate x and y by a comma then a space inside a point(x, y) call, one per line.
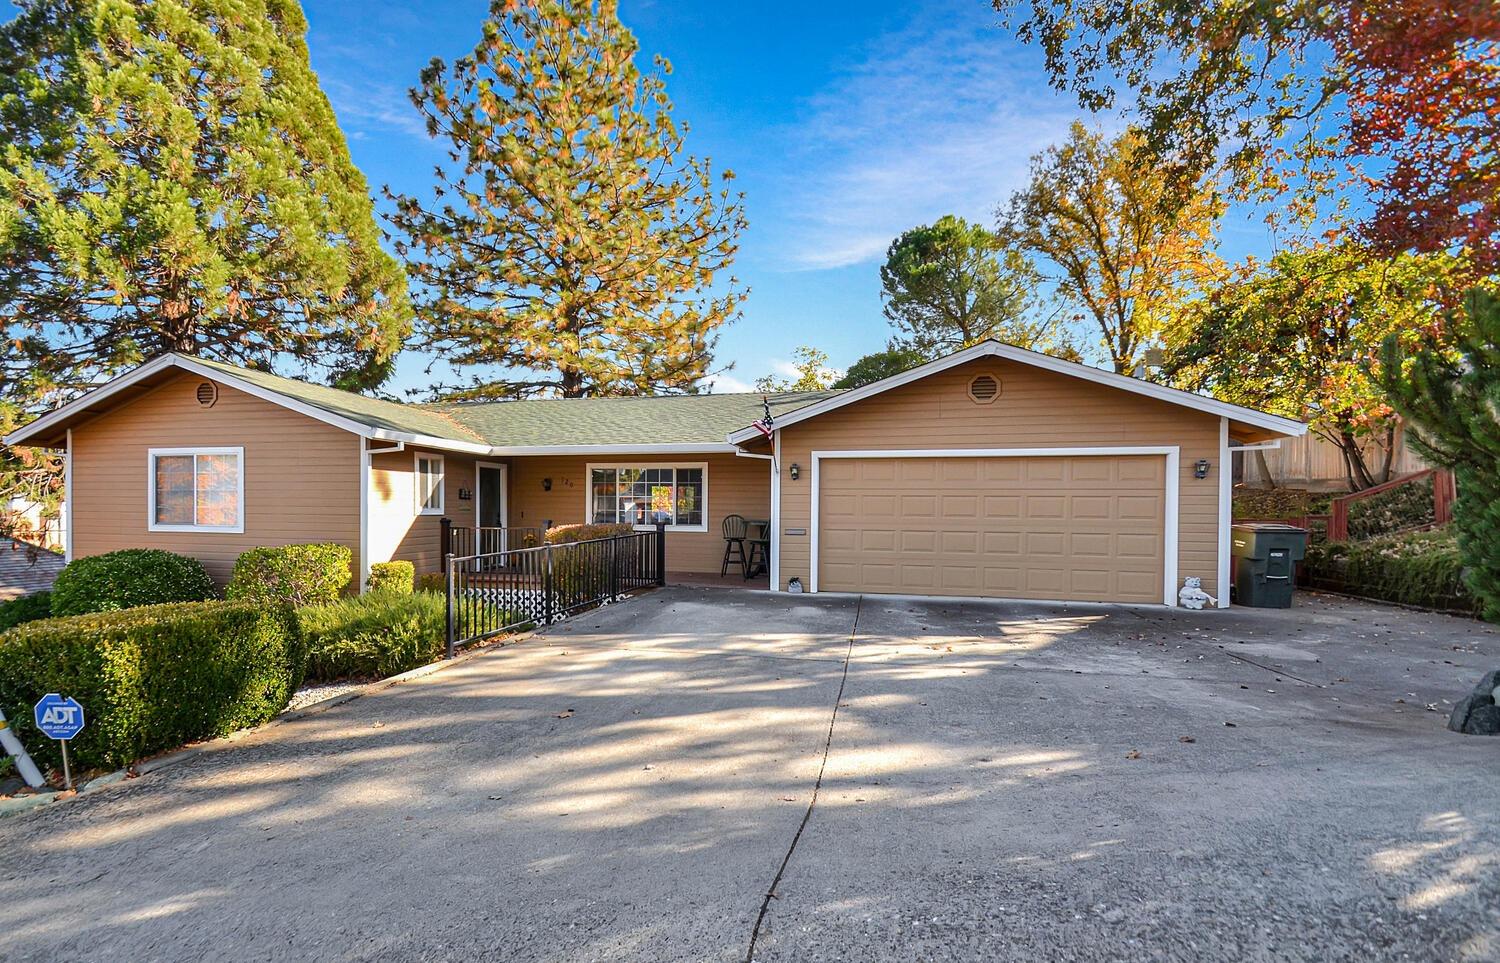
point(1390, 453)
point(572, 383)
point(1357, 471)
point(1262, 466)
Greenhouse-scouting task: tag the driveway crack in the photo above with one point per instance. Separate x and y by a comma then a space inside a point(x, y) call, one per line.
point(765, 903)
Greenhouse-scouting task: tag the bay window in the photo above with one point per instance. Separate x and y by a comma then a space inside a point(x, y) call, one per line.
point(195, 489)
point(642, 495)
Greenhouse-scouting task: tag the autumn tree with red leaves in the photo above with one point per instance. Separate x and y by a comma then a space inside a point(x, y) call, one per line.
point(1401, 96)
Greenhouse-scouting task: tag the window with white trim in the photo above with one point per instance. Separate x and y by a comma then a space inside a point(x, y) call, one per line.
point(645, 494)
point(196, 489)
point(429, 476)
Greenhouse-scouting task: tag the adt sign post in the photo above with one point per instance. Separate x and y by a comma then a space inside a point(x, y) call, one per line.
point(61, 719)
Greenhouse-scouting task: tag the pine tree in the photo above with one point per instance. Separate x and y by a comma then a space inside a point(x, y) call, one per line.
point(951, 284)
point(1451, 398)
point(174, 179)
point(571, 243)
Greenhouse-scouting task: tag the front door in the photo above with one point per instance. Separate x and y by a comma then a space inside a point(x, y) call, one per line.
point(490, 508)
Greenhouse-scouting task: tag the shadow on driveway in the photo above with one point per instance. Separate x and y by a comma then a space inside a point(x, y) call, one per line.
point(1003, 782)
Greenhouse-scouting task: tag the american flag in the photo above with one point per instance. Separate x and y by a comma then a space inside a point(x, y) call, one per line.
point(767, 423)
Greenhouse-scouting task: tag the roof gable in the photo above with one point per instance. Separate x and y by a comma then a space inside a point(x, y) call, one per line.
point(997, 349)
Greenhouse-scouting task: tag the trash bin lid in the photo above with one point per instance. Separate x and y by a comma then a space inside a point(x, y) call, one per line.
point(1266, 527)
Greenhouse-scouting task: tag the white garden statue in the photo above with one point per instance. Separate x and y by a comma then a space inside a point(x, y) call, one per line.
point(1192, 595)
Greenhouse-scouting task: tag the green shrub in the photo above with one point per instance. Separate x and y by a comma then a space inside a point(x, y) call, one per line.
point(295, 574)
point(127, 579)
point(151, 678)
point(376, 635)
point(1398, 509)
point(398, 577)
point(432, 582)
point(563, 534)
point(27, 608)
point(1416, 568)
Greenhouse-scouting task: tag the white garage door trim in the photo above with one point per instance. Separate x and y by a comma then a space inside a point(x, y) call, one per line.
point(1172, 453)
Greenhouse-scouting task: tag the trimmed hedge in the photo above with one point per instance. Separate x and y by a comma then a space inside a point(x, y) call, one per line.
point(27, 608)
point(127, 579)
point(563, 534)
point(1417, 568)
point(431, 582)
point(151, 678)
point(296, 574)
point(398, 577)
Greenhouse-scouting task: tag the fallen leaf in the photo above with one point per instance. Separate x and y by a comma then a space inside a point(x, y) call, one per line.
point(1186, 739)
point(565, 714)
point(1133, 754)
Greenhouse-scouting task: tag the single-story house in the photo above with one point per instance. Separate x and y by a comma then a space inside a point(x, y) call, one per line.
point(993, 472)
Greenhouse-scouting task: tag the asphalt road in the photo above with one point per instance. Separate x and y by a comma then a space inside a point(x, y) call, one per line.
point(998, 782)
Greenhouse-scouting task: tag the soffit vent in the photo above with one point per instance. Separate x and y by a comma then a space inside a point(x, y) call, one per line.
point(984, 389)
point(208, 394)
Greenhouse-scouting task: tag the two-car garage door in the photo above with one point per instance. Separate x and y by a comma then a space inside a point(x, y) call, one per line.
point(1086, 527)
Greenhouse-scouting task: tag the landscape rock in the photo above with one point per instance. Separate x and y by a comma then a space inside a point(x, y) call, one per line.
point(1478, 712)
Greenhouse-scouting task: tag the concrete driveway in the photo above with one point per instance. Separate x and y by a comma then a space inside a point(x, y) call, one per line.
point(1011, 782)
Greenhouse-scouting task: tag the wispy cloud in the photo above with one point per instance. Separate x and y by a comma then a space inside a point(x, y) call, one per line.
point(374, 109)
point(727, 384)
point(940, 116)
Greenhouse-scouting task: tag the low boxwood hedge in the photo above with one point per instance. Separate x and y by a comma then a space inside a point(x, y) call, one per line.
point(129, 578)
point(1416, 568)
point(295, 574)
point(399, 577)
point(151, 678)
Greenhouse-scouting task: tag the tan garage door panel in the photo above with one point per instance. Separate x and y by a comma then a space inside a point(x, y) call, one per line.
point(1054, 527)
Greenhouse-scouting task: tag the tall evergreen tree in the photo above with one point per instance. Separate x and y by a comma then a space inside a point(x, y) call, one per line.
point(174, 180)
point(950, 284)
point(572, 243)
point(1451, 398)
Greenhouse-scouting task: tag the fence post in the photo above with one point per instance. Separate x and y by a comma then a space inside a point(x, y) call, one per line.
point(448, 584)
point(445, 536)
point(614, 567)
point(547, 585)
point(661, 552)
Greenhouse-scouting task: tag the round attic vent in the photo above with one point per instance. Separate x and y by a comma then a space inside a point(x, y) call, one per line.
point(984, 389)
point(208, 393)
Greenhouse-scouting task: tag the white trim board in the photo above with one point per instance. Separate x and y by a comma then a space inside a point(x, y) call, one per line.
point(1170, 485)
point(995, 349)
point(1226, 505)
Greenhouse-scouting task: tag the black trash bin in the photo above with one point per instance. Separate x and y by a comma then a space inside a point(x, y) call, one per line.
point(1265, 563)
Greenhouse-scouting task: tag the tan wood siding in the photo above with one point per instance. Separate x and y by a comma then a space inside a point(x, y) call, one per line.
point(397, 529)
point(1036, 409)
point(1087, 528)
point(301, 476)
point(736, 485)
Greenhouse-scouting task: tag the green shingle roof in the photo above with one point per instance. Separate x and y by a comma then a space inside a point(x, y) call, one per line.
point(374, 412)
point(672, 419)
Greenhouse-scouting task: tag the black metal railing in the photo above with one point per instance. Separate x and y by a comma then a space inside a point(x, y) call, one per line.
point(495, 592)
point(487, 540)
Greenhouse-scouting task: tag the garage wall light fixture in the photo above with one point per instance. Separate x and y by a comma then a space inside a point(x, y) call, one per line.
point(796, 471)
point(1200, 469)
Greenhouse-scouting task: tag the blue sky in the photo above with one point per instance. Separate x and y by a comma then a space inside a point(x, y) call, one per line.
point(846, 123)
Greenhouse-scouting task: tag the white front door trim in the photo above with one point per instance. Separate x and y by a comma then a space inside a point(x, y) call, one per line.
point(1172, 453)
point(504, 470)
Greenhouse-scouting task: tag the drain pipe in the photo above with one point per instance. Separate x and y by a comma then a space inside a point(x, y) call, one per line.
point(16, 751)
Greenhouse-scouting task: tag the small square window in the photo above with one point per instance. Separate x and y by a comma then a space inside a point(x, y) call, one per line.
point(196, 490)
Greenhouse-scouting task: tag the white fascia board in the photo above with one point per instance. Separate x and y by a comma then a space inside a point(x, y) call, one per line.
point(88, 400)
point(706, 448)
point(994, 349)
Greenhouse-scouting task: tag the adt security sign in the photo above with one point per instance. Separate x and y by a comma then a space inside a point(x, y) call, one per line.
point(59, 718)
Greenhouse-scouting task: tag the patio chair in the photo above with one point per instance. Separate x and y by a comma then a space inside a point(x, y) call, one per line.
point(734, 542)
point(759, 559)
